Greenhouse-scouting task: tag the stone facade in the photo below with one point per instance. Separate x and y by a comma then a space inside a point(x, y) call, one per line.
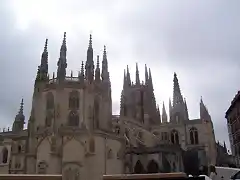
point(71, 129)
point(233, 123)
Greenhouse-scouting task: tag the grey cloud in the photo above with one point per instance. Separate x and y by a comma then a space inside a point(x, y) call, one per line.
point(199, 40)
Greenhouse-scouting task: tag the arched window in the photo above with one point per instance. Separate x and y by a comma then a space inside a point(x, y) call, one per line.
point(73, 118)
point(49, 101)
point(4, 155)
point(193, 135)
point(96, 113)
point(74, 100)
point(139, 169)
point(48, 120)
point(174, 137)
point(152, 167)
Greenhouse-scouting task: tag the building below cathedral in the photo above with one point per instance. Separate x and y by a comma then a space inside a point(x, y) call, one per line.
point(71, 129)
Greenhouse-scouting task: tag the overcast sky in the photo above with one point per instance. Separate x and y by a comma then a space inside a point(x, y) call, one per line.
point(199, 40)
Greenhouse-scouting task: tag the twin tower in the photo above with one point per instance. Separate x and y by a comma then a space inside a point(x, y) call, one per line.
point(88, 73)
point(137, 99)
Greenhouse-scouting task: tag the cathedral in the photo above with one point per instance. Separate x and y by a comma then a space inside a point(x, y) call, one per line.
point(71, 129)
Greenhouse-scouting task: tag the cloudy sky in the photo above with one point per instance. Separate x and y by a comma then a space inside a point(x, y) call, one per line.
point(199, 40)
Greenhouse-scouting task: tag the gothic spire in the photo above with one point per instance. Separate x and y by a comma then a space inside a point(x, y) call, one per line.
point(19, 119)
point(137, 75)
point(204, 114)
point(164, 114)
point(62, 62)
point(177, 96)
point(42, 73)
point(128, 77)
point(124, 80)
point(105, 73)
point(21, 107)
point(81, 77)
point(159, 113)
point(89, 66)
point(146, 74)
point(170, 108)
point(150, 83)
point(90, 42)
point(97, 71)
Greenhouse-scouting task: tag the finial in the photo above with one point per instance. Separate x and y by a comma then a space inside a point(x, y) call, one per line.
point(82, 68)
point(104, 52)
point(90, 41)
point(64, 39)
point(46, 45)
point(21, 107)
point(97, 61)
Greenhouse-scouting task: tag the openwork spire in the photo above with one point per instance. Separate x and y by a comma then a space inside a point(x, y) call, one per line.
point(204, 114)
point(177, 96)
point(146, 74)
point(21, 107)
point(164, 114)
point(137, 75)
point(90, 41)
point(105, 73)
point(97, 71)
point(62, 62)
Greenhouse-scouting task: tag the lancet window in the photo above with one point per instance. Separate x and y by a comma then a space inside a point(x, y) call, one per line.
point(174, 137)
point(74, 100)
point(73, 118)
point(193, 135)
point(4, 155)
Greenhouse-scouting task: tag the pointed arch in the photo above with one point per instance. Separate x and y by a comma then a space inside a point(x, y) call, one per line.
point(73, 118)
point(49, 100)
point(193, 135)
point(152, 167)
point(174, 137)
point(4, 155)
point(139, 169)
point(73, 100)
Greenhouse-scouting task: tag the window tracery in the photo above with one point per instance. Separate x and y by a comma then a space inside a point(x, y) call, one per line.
point(174, 137)
point(73, 118)
point(74, 100)
point(193, 135)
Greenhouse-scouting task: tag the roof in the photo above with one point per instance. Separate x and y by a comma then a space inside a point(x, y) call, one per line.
point(233, 103)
